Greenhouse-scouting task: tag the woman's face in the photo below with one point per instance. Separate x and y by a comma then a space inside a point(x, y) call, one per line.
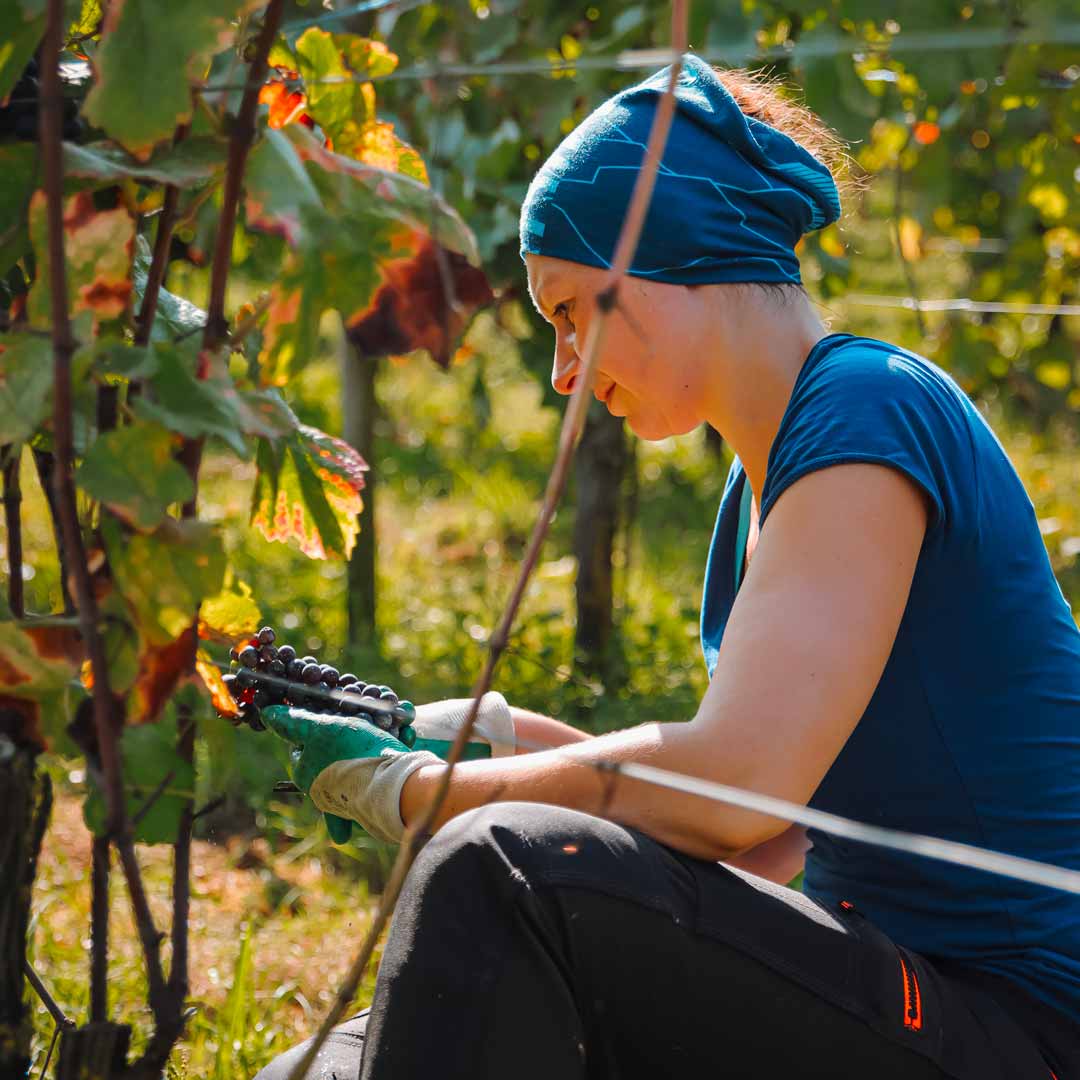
point(649, 368)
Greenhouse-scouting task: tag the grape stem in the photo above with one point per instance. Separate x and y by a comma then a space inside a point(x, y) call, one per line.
point(336, 697)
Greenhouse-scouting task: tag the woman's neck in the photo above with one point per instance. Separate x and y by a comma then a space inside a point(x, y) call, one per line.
point(761, 347)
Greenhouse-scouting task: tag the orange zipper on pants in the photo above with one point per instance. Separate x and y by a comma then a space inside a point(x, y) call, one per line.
point(912, 995)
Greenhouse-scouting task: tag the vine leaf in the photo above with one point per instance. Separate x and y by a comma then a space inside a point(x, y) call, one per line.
point(175, 317)
point(18, 177)
point(229, 616)
point(164, 575)
point(149, 55)
point(35, 671)
point(194, 161)
point(208, 671)
point(370, 283)
point(161, 668)
point(342, 102)
point(98, 247)
point(195, 406)
point(21, 28)
point(25, 385)
point(151, 767)
point(307, 492)
point(132, 471)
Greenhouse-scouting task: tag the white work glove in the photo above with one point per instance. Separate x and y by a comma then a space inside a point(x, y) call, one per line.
point(437, 724)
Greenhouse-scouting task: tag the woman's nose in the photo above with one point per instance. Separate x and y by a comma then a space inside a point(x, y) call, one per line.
point(564, 371)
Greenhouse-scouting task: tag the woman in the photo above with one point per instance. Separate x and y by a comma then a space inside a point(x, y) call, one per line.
point(885, 639)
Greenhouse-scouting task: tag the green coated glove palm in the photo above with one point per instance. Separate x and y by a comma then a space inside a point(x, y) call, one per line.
point(319, 740)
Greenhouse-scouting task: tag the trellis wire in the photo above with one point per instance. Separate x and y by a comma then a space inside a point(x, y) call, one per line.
point(735, 52)
point(992, 307)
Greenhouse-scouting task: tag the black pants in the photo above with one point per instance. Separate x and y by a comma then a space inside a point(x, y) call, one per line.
point(534, 943)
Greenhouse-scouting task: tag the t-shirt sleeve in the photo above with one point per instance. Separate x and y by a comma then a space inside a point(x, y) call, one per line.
point(869, 404)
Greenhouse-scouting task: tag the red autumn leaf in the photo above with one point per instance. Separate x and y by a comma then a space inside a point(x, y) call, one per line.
point(161, 667)
point(926, 132)
point(286, 105)
point(415, 308)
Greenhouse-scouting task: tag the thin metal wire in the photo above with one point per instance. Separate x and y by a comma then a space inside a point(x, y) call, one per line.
point(735, 52)
point(931, 847)
point(913, 303)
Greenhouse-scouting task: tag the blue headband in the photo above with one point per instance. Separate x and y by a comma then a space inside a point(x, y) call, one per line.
point(732, 198)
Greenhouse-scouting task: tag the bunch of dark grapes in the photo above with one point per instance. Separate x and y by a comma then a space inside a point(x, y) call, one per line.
point(19, 118)
point(307, 686)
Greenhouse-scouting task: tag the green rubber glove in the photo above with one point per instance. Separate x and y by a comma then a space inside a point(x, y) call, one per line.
point(441, 748)
point(320, 739)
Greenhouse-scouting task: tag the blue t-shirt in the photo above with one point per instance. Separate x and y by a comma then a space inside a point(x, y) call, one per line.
point(973, 732)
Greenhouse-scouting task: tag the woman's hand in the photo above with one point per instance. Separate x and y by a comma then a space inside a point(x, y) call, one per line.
point(352, 770)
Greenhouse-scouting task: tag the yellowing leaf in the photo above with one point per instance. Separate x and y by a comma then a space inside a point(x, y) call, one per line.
point(98, 247)
point(308, 493)
point(219, 693)
point(229, 615)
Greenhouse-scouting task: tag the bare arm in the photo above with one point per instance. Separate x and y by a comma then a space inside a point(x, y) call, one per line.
point(534, 731)
point(779, 859)
point(804, 648)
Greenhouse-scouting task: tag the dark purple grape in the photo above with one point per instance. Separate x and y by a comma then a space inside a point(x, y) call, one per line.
point(267, 653)
point(389, 695)
point(245, 677)
point(371, 690)
point(350, 706)
point(267, 635)
point(277, 667)
point(330, 675)
point(309, 659)
point(383, 721)
point(347, 679)
point(230, 684)
point(254, 721)
point(295, 668)
point(249, 656)
point(311, 674)
point(262, 698)
point(286, 654)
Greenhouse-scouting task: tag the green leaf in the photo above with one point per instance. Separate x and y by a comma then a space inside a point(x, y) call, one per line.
point(164, 575)
point(150, 54)
point(25, 385)
point(175, 317)
point(20, 32)
point(188, 164)
point(98, 246)
point(133, 472)
point(307, 492)
point(194, 395)
point(149, 758)
point(18, 178)
point(278, 188)
point(111, 356)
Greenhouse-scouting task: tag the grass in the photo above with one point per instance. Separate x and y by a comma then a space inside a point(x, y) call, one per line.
point(272, 933)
